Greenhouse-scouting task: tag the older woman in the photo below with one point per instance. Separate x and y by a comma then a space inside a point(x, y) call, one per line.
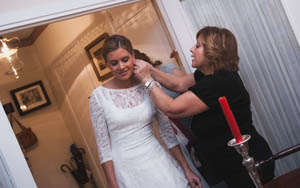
point(215, 56)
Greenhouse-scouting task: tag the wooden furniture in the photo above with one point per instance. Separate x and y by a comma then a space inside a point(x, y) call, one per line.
point(288, 180)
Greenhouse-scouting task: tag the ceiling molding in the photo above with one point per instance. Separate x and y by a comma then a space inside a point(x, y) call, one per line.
point(33, 36)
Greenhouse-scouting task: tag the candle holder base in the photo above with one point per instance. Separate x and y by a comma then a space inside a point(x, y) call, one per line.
point(248, 162)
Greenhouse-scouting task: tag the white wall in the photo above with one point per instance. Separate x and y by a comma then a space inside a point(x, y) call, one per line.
point(292, 10)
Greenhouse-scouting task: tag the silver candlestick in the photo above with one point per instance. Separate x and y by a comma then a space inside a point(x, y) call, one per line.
point(248, 162)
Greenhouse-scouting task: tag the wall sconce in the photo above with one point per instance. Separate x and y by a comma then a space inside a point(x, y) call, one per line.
point(9, 57)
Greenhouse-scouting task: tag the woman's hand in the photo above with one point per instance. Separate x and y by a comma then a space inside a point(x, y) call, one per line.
point(109, 172)
point(113, 185)
point(142, 70)
point(194, 180)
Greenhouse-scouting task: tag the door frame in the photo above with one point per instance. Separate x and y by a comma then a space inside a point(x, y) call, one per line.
point(17, 169)
point(40, 15)
point(179, 28)
point(18, 15)
point(37, 14)
point(12, 158)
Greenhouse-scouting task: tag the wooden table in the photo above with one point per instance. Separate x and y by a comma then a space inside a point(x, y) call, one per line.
point(288, 180)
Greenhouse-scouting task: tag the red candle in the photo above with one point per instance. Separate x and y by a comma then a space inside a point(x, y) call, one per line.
point(230, 119)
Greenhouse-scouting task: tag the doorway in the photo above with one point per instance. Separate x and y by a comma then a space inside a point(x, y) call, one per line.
point(59, 59)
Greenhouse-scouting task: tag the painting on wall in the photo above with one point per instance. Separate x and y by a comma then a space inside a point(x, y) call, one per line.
point(94, 52)
point(30, 97)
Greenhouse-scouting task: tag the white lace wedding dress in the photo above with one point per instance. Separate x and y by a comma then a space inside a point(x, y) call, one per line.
point(122, 121)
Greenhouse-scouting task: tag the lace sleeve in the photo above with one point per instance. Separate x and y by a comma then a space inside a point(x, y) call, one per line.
point(100, 129)
point(165, 130)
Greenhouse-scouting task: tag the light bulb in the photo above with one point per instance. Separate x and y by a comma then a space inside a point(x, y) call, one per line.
point(9, 58)
point(14, 65)
point(6, 52)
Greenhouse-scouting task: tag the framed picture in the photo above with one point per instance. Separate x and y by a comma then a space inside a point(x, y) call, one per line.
point(30, 98)
point(94, 52)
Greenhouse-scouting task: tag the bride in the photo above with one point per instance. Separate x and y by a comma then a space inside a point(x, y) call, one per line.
point(122, 117)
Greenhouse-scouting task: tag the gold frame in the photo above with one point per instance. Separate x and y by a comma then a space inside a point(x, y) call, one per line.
point(94, 54)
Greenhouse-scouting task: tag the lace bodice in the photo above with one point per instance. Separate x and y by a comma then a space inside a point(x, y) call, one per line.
point(122, 120)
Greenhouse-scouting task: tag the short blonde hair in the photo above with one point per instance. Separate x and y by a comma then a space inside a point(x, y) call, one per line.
point(220, 48)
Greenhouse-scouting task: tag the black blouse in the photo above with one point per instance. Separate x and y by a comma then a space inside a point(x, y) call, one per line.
point(211, 128)
point(211, 124)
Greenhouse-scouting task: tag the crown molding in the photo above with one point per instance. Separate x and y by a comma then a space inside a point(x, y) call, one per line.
point(32, 38)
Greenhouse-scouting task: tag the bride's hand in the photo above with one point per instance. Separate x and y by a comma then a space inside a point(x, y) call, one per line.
point(194, 180)
point(142, 70)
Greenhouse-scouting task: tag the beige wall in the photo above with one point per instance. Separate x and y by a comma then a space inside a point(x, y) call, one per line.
point(67, 67)
point(47, 123)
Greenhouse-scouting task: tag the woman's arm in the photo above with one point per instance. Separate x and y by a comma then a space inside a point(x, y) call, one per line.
point(174, 82)
point(185, 105)
point(102, 139)
point(109, 172)
point(177, 72)
point(168, 136)
point(192, 178)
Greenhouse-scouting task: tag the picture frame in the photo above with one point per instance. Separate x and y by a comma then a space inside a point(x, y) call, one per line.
point(94, 53)
point(30, 98)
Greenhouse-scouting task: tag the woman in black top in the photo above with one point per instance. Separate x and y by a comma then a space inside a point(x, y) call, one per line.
point(215, 56)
